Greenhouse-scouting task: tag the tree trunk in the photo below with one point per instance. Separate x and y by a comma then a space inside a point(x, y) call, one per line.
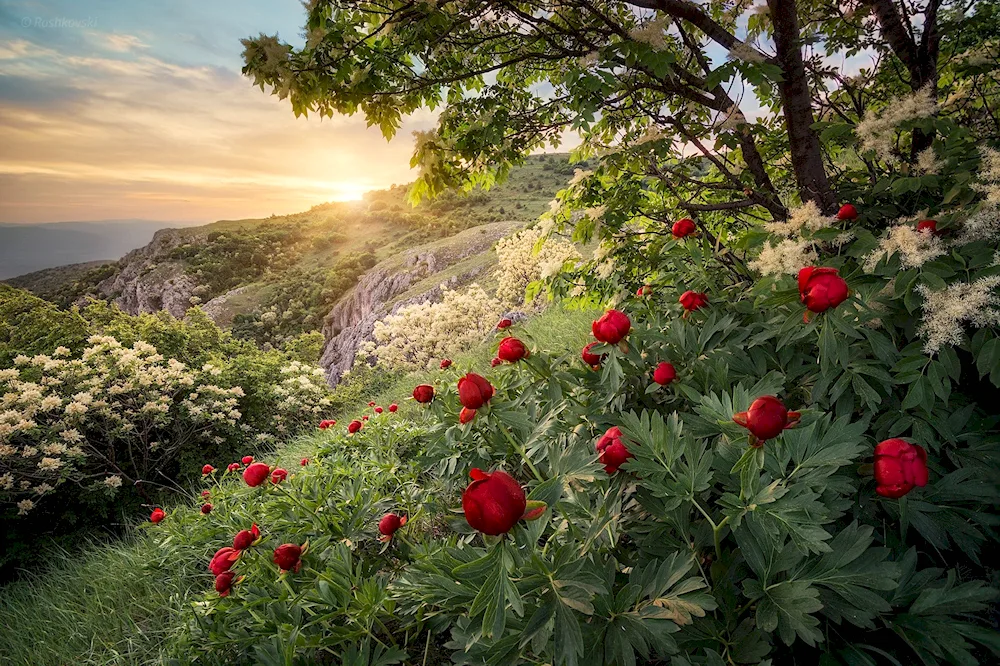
point(807, 156)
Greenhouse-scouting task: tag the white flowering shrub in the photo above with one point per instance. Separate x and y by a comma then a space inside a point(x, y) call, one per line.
point(120, 415)
point(420, 335)
point(528, 256)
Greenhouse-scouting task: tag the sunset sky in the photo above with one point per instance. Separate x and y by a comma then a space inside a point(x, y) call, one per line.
point(114, 109)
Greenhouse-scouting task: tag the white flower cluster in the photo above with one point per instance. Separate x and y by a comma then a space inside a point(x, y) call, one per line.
point(64, 418)
point(302, 395)
point(420, 335)
point(946, 310)
point(528, 256)
point(652, 32)
point(914, 247)
point(876, 131)
point(989, 176)
point(796, 249)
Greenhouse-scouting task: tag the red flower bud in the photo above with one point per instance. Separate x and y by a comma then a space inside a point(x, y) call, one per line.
point(378, 410)
point(821, 288)
point(474, 391)
point(207, 469)
point(445, 363)
point(493, 502)
point(682, 228)
point(206, 493)
point(693, 300)
point(247, 460)
point(288, 557)
point(354, 426)
point(466, 415)
point(423, 393)
point(847, 212)
point(233, 467)
point(279, 475)
point(206, 508)
point(223, 560)
point(512, 350)
point(327, 423)
point(612, 327)
point(644, 290)
point(899, 466)
point(224, 583)
point(612, 450)
point(256, 474)
point(157, 515)
point(593, 360)
point(664, 373)
point(389, 524)
point(304, 462)
point(393, 407)
point(495, 362)
point(245, 538)
point(504, 323)
point(371, 404)
point(766, 418)
point(929, 226)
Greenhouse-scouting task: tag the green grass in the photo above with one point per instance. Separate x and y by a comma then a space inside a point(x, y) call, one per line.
point(117, 603)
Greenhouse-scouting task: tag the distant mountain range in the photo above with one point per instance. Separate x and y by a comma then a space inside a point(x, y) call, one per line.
point(25, 248)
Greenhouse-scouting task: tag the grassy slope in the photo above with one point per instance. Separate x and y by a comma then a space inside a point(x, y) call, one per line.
point(116, 603)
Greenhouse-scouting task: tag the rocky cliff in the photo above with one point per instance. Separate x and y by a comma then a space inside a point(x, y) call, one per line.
point(149, 281)
point(401, 281)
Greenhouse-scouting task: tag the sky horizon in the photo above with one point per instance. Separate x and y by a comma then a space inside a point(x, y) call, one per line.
point(114, 110)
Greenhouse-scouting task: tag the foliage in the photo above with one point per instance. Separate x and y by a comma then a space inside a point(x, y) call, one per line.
point(125, 405)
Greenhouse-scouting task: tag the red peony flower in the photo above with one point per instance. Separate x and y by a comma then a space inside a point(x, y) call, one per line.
point(644, 290)
point(371, 403)
point(493, 502)
point(279, 475)
point(495, 362)
point(256, 474)
point(223, 560)
point(929, 226)
point(389, 524)
point(847, 212)
point(233, 467)
point(445, 363)
point(378, 410)
point(423, 393)
point(206, 493)
point(354, 426)
point(206, 508)
point(247, 460)
point(664, 373)
point(612, 450)
point(821, 288)
point(474, 391)
point(899, 467)
point(766, 418)
point(304, 462)
point(504, 323)
point(693, 300)
point(245, 538)
point(466, 415)
point(157, 515)
point(327, 423)
point(393, 407)
point(224, 583)
point(364, 418)
point(288, 557)
point(682, 228)
point(593, 360)
point(207, 469)
point(512, 350)
point(612, 327)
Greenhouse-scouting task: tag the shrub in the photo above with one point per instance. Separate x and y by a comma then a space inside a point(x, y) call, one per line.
point(526, 257)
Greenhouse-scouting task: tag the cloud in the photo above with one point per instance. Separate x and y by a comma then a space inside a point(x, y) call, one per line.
point(119, 131)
